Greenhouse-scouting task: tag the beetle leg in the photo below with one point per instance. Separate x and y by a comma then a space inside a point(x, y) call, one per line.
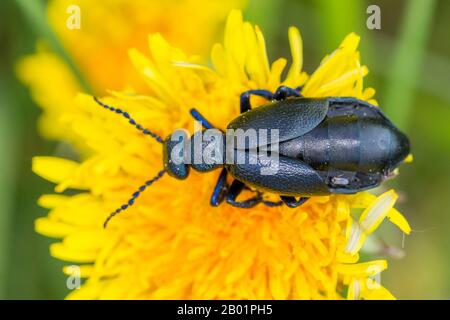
point(284, 92)
point(234, 191)
point(299, 89)
point(272, 203)
point(245, 98)
point(291, 202)
point(199, 117)
point(220, 192)
point(220, 189)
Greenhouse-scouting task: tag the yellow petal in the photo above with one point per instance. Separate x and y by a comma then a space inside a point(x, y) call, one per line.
point(218, 59)
point(399, 220)
point(234, 38)
point(296, 43)
point(377, 293)
point(86, 292)
point(275, 72)
point(344, 257)
point(377, 211)
point(365, 269)
point(62, 252)
point(354, 290)
point(256, 63)
point(350, 42)
point(54, 169)
point(52, 229)
point(83, 271)
point(60, 171)
point(50, 201)
point(87, 239)
point(362, 200)
point(151, 75)
point(355, 237)
point(278, 287)
point(262, 54)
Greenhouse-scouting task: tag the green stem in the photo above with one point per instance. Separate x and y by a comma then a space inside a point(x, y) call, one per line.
point(406, 66)
point(339, 18)
point(8, 135)
point(257, 12)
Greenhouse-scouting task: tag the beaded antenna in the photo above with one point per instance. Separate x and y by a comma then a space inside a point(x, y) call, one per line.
point(148, 183)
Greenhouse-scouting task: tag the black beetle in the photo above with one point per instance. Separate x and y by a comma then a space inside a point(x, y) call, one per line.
point(333, 145)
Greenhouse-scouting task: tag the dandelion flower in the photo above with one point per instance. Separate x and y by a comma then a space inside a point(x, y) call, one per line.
point(172, 243)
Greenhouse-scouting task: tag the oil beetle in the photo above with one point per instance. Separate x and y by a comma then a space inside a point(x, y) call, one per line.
point(333, 145)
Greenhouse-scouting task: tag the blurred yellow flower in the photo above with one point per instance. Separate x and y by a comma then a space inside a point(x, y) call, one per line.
point(172, 243)
point(99, 48)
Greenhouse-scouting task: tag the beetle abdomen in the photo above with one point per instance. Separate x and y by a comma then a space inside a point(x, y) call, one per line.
point(354, 148)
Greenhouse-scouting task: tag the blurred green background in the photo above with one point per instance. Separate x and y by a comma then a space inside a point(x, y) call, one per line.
point(409, 60)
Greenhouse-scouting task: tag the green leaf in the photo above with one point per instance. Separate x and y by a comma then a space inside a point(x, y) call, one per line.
point(407, 62)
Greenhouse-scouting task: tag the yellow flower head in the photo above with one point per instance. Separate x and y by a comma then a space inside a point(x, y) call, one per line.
point(172, 243)
point(109, 29)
